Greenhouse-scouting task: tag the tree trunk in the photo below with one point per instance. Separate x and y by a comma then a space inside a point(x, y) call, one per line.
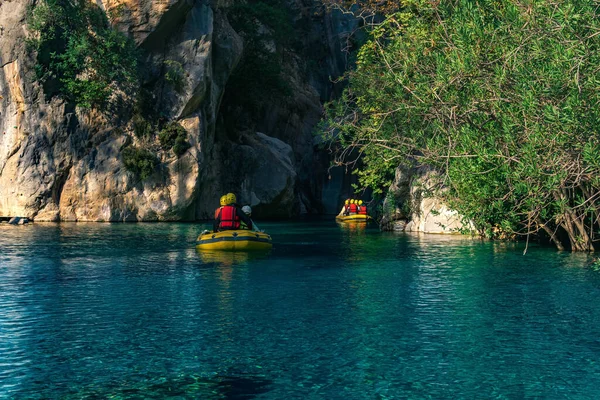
point(580, 240)
point(552, 235)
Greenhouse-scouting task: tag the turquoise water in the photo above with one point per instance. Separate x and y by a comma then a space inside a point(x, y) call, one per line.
point(133, 311)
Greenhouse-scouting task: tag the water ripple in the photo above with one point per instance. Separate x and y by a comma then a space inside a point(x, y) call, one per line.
point(133, 311)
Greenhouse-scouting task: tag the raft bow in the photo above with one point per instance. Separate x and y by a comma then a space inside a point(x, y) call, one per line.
point(234, 240)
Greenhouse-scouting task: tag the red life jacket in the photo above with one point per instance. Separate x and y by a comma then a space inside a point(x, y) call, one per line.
point(229, 218)
point(353, 208)
point(362, 210)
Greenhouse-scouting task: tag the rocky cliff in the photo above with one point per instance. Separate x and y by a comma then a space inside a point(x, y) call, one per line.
point(414, 204)
point(59, 161)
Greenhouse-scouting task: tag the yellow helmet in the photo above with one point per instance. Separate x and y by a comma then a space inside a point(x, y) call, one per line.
point(360, 202)
point(352, 201)
point(230, 198)
point(347, 201)
point(223, 200)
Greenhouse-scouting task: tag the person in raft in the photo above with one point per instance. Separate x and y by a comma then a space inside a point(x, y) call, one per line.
point(344, 208)
point(352, 207)
point(362, 209)
point(230, 216)
point(222, 202)
point(248, 211)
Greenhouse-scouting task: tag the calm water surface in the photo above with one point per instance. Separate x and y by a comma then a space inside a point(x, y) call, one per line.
point(133, 311)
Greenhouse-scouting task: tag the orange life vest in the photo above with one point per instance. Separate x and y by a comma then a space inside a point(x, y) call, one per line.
point(229, 218)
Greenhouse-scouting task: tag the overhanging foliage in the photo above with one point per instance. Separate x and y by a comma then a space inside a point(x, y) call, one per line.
point(501, 97)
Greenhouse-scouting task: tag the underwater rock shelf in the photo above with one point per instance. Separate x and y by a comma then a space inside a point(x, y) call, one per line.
point(15, 220)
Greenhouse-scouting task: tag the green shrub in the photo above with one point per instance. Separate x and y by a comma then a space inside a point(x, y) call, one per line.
point(174, 74)
point(78, 55)
point(174, 136)
point(140, 161)
point(141, 127)
point(169, 134)
point(181, 145)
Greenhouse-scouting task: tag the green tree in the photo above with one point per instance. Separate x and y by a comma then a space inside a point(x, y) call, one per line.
point(79, 56)
point(501, 97)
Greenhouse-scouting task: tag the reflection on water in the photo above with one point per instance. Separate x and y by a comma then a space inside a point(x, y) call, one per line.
point(353, 226)
point(134, 311)
point(231, 258)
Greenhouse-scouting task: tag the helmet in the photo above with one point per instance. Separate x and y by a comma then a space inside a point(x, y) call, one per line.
point(223, 200)
point(352, 201)
point(360, 202)
point(230, 198)
point(347, 201)
point(247, 210)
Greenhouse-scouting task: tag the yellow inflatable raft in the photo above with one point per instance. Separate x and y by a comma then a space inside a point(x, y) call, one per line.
point(234, 240)
point(353, 217)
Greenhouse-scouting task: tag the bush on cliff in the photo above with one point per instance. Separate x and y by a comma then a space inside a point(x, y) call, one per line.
point(79, 56)
point(142, 128)
point(174, 74)
point(140, 161)
point(174, 136)
point(500, 97)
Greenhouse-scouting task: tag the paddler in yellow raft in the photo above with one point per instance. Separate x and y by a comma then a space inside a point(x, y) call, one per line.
point(353, 210)
point(232, 230)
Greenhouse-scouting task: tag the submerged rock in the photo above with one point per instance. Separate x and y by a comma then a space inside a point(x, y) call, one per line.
point(18, 221)
point(218, 386)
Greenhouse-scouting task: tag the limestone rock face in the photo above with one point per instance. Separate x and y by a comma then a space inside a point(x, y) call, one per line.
point(62, 163)
point(271, 186)
point(411, 206)
point(144, 18)
point(98, 188)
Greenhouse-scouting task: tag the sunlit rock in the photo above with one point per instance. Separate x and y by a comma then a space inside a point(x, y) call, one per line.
point(413, 204)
